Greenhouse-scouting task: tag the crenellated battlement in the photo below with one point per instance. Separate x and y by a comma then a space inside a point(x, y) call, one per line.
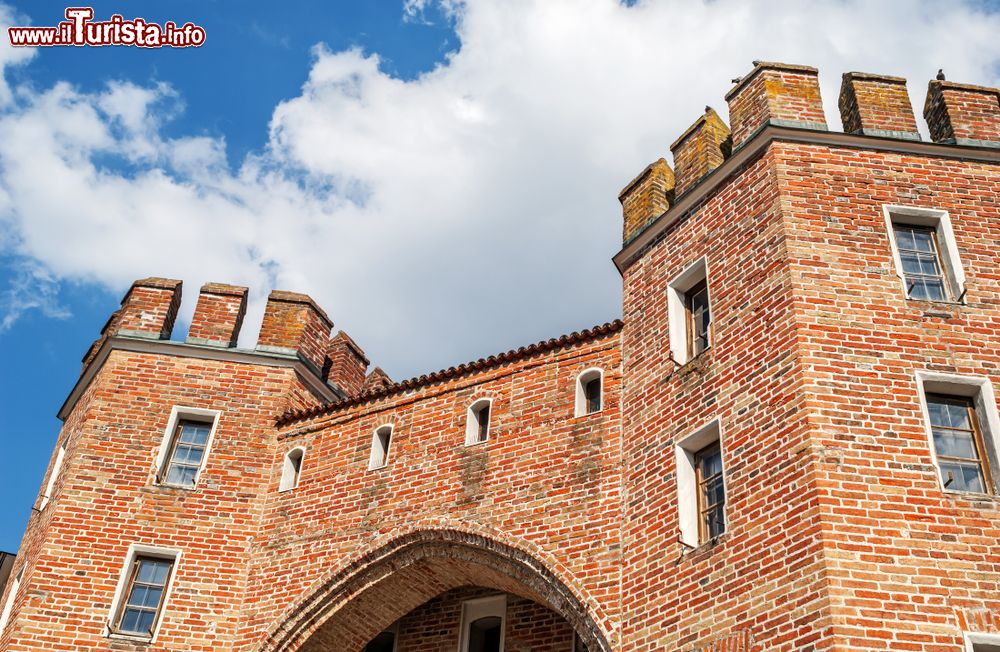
point(788, 96)
point(294, 326)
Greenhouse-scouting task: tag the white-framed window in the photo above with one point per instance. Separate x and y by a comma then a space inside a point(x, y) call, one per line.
point(701, 485)
point(477, 422)
point(589, 392)
point(925, 253)
point(689, 312)
point(53, 476)
point(381, 444)
point(385, 641)
point(187, 441)
point(8, 605)
point(963, 430)
point(143, 592)
point(291, 468)
point(982, 642)
point(483, 621)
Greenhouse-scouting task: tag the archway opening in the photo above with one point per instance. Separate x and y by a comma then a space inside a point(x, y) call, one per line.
point(392, 589)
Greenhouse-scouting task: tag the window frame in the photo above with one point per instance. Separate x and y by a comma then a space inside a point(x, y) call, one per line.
point(972, 639)
point(135, 552)
point(949, 259)
point(679, 317)
point(177, 414)
point(693, 333)
point(688, 488)
point(385, 447)
point(582, 379)
point(700, 481)
point(979, 390)
point(286, 484)
point(493, 606)
point(50, 485)
point(473, 422)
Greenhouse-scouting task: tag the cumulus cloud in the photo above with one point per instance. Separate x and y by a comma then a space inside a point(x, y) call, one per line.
point(453, 215)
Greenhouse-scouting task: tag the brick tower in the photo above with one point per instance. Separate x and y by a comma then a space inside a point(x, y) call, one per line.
point(789, 442)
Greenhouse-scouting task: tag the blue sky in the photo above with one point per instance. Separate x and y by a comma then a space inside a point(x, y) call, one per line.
point(440, 176)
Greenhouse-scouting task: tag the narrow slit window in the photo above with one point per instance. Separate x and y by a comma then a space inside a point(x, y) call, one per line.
point(381, 441)
point(477, 428)
point(51, 484)
point(592, 392)
point(711, 493)
point(143, 598)
point(589, 392)
point(291, 469)
point(959, 444)
point(922, 267)
point(186, 453)
point(689, 313)
point(699, 318)
point(9, 604)
point(483, 624)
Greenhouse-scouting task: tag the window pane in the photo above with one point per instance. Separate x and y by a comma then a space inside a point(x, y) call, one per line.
point(904, 237)
point(923, 239)
point(952, 443)
point(711, 463)
point(926, 289)
point(714, 492)
point(716, 523)
point(962, 477)
point(194, 433)
point(181, 475)
point(153, 571)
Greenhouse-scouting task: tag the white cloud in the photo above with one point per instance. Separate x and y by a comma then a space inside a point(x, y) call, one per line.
point(454, 215)
point(9, 55)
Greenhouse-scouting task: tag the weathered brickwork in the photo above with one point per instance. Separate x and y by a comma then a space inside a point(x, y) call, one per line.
point(334, 503)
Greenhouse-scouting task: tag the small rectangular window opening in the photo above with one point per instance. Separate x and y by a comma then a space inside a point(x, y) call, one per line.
point(143, 597)
point(483, 419)
point(920, 256)
point(699, 318)
point(592, 393)
point(711, 492)
point(959, 444)
point(381, 442)
point(186, 452)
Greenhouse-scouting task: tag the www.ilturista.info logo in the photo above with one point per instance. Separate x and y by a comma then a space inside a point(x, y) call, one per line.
point(80, 29)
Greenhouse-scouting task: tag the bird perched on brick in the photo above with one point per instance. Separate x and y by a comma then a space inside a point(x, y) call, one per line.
point(940, 74)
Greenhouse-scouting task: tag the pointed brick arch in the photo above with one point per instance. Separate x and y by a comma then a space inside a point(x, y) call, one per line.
point(356, 602)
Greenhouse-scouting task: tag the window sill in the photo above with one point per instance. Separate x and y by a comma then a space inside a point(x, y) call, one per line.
point(589, 414)
point(167, 485)
point(935, 302)
point(133, 638)
point(472, 444)
point(973, 496)
point(702, 548)
point(378, 468)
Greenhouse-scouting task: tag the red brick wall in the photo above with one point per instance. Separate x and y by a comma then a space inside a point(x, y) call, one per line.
point(764, 579)
point(546, 482)
point(105, 500)
point(907, 562)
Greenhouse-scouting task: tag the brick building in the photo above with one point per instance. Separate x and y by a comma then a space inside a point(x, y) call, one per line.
point(789, 442)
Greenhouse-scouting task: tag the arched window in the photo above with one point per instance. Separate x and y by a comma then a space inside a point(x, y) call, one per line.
point(477, 422)
point(589, 392)
point(381, 441)
point(483, 624)
point(291, 469)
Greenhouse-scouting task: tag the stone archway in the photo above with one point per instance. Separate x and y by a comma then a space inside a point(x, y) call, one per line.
point(359, 601)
